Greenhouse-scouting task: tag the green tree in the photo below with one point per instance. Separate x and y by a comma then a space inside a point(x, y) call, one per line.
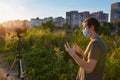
point(105, 29)
point(48, 24)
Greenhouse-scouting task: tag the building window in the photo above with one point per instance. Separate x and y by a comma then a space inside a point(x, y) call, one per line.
point(118, 8)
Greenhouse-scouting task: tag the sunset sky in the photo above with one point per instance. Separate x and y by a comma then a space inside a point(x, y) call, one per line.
point(26, 9)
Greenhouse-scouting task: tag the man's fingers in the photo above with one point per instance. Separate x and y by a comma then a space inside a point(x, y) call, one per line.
point(67, 45)
point(73, 46)
point(66, 48)
point(75, 43)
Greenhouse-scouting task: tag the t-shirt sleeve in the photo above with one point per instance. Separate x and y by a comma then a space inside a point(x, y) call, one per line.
point(95, 51)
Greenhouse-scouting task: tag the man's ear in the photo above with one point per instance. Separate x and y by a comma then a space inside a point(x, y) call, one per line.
point(92, 27)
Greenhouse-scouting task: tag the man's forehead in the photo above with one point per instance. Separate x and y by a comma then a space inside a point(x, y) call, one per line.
point(84, 24)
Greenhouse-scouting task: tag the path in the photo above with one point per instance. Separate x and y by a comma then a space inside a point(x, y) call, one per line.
point(3, 74)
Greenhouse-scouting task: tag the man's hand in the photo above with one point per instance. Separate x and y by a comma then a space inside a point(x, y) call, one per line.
point(78, 49)
point(71, 51)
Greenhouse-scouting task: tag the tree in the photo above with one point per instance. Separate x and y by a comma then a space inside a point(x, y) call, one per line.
point(25, 23)
point(49, 24)
point(105, 29)
point(118, 23)
point(2, 35)
point(2, 30)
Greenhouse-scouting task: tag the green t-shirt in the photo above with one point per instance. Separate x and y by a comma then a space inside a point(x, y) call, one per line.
point(95, 50)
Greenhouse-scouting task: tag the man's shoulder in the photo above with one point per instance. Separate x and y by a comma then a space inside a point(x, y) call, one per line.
point(98, 40)
point(94, 41)
point(99, 43)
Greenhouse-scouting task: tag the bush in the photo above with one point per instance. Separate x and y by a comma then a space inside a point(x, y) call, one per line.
point(45, 58)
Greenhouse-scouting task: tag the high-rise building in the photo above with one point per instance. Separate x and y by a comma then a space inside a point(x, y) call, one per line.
point(84, 15)
point(47, 19)
point(115, 12)
point(73, 19)
point(35, 21)
point(59, 21)
point(102, 17)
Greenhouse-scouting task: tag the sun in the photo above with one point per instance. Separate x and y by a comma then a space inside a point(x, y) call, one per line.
point(11, 11)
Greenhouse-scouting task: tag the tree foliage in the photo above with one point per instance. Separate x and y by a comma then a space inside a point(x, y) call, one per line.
point(45, 58)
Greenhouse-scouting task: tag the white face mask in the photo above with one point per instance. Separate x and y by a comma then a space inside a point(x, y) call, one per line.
point(86, 33)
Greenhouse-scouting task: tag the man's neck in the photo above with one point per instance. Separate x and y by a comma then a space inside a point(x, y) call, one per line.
point(94, 35)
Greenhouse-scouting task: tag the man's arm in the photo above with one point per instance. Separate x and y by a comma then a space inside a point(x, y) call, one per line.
point(78, 49)
point(87, 66)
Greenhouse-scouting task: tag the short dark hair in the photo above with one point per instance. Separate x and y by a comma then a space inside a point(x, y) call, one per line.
point(92, 21)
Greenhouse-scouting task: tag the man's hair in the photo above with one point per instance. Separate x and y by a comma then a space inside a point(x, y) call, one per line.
point(91, 21)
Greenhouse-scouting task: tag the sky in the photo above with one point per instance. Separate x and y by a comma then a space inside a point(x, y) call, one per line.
point(27, 9)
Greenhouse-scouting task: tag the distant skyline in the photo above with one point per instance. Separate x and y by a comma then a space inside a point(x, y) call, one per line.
point(27, 9)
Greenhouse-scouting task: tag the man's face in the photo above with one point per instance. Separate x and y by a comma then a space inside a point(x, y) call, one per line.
point(85, 30)
point(85, 26)
point(90, 29)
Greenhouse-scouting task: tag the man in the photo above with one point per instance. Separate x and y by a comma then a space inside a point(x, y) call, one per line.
point(93, 63)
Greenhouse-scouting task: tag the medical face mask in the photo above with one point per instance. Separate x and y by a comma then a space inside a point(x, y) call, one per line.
point(86, 33)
